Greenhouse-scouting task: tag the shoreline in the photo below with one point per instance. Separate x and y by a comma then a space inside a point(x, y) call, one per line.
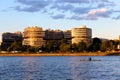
point(62, 54)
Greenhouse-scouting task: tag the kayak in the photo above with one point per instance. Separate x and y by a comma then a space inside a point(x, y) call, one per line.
point(89, 60)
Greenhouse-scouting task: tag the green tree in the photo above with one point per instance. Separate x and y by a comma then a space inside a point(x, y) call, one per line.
point(89, 47)
point(74, 47)
point(116, 43)
point(63, 41)
point(82, 46)
point(15, 46)
point(25, 48)
point(33, 49)
point(107, 46)
point(49, 47)
point(64, 47)
point(96, 44)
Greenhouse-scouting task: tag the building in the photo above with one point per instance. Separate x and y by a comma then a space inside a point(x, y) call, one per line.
point(53, 35)
point(33, 36)
point(68, 36)
point(0, 43)
point(118, 46)
point(81, 34)
point(9, 38)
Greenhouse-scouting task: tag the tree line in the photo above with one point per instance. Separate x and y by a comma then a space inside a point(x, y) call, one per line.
point(63, 46)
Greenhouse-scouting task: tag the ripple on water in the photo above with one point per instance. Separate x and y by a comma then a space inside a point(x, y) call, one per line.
point(59, 68)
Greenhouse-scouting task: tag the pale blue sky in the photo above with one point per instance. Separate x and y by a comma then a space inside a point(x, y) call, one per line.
point(103, 16)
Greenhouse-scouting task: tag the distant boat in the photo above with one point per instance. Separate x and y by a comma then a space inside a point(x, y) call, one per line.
point(89, 59)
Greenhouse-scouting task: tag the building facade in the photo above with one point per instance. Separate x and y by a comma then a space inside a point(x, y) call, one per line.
point(81, 34)
point(68, 36)
point(53, 35)
point(0, 43)
point(9, 38)
point(33, 36)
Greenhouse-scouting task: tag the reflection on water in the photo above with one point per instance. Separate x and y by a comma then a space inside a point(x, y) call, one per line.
point(59, 68)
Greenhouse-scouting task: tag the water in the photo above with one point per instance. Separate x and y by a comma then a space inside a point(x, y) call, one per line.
point(60, 68)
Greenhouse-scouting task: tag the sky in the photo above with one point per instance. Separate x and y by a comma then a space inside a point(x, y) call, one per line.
point(102, 16)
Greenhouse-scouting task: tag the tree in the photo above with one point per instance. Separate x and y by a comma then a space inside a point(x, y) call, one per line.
point(89, 47)
point(116, 43)
point(96, 44)
point(33, 49)
point(107, 46)
point(25, 47)
point(96, 40)
point(0, 47)
point(63, 41)
point(50, 47)
point(74, 47)
point(64, 47)
point(15, 46)
point(82, 46)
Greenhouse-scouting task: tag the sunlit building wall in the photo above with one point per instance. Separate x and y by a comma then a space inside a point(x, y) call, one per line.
point(33, 36)
point(118, 47)
point(0, 43)
point(81, 33)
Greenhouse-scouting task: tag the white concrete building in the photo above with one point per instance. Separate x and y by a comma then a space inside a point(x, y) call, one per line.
point(81, 33)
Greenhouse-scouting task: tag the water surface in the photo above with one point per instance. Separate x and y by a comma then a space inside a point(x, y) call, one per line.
point(60, 68)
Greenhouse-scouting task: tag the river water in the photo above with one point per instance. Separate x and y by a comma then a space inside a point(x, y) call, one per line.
point(60, 68)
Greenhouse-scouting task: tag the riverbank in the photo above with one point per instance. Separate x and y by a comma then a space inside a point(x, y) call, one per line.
point(63, 54)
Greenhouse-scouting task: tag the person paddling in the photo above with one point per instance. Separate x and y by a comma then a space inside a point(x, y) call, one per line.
point(90, 59)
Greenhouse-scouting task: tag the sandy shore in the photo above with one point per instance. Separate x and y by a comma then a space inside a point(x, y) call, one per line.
point(55, 54)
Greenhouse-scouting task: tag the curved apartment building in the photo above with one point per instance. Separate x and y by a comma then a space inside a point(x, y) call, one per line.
point(33, 36)
point(81, 34)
